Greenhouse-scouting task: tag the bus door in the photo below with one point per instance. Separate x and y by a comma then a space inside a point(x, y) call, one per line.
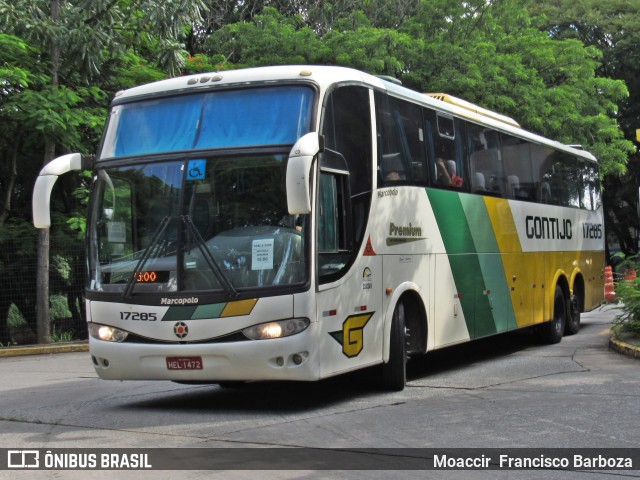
point(348, 308)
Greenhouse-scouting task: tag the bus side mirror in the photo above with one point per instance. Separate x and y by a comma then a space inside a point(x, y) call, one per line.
point(299, 173)
point(45, 181)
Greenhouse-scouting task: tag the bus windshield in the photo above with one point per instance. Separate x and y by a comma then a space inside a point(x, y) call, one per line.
point(249, 117)
point(196, 224)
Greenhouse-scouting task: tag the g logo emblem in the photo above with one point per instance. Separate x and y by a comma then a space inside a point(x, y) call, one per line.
point(181, 330)
point(351, 337)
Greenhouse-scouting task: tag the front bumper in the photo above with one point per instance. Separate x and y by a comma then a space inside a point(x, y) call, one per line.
point(288, 358)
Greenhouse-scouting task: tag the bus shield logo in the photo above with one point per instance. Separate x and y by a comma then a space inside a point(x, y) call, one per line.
point(181, 330)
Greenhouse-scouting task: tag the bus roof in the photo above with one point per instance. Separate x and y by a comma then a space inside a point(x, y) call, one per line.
point(445, 97)
point(324, 76)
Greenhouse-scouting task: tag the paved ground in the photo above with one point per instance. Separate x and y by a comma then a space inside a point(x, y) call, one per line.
point(504, 392)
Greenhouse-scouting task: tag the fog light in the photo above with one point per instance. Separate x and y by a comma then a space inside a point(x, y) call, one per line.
point(299, 358)
point(279, 329)
point(106, 333)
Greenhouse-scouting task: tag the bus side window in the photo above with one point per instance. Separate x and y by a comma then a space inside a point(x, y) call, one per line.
point(484, 160)
point(591, 187)
point(327, 214)
point(333, 235)
point(540, 161)
point(448, 166)
point(401, 153)
point(564, 177)
point(520, 183)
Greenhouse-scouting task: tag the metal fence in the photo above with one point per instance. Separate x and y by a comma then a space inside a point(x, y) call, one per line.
point(18, 267)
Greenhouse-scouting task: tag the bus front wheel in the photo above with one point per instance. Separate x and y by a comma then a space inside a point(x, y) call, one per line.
point(394, 373)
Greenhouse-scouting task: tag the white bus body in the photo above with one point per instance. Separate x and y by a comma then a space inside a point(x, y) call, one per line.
point(296, 222)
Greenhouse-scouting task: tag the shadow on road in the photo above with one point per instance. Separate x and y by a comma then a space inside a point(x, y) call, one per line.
point(292, 397)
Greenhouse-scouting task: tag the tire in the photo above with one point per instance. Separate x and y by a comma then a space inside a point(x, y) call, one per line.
point(551, 332)
point(394, 373)
point(573, 320)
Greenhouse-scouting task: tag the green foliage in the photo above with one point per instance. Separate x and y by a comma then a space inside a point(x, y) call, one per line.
point(491, 54)
point(62, 336)
point(628, 292)
point(59, 308)
point(202, 63)
point(92, 33)
point(375, 50)
point(269, 39)
point(130, 70)
point(15, 319)
point(564, 69)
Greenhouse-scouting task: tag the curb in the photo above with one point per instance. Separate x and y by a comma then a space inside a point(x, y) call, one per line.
point(626, 349)
point(44, 349)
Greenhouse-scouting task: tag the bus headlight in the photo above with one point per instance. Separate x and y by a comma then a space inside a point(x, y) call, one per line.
point(278, 329)
point(107, 334)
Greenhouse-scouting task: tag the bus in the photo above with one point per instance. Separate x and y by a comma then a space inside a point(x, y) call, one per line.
point(300, 222)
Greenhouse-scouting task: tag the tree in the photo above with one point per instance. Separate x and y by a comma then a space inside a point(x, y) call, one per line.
point(32, 107)
point(492, 53)
point(76, 39)
point(270, 38)
point(611, 26)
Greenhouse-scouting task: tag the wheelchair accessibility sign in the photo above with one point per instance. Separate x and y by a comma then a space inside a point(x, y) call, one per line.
point(196, 169)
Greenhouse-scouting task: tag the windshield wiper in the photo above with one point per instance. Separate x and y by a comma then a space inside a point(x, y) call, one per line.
point(208, 256)
point(164, 223)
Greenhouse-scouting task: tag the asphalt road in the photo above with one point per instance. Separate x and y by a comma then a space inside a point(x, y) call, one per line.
point(504, 392)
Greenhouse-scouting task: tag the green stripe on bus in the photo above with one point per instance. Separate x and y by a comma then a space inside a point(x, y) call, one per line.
point(490, 259)
point(452, 221)
point(179, 313)
point(208, 311)
point(466, 231)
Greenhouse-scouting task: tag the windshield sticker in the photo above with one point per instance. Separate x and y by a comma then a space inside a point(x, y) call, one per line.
point(262, 254)
point(116, 232)
point(196, 169)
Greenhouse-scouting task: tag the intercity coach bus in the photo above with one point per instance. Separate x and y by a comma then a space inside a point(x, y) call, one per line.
point(299, 222)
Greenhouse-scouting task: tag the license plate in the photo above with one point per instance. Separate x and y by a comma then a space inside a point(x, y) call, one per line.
point(184, 363)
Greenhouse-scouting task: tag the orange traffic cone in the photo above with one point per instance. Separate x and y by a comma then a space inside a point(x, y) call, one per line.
point(631, 274)
point(609, 293)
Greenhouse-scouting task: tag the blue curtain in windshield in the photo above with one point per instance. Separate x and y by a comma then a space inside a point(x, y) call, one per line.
point(248, 117)
point(158, 126)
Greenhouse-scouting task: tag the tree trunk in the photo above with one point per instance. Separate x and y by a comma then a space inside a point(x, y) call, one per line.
point(43, 321)
point(42, 281)
point(6, 208)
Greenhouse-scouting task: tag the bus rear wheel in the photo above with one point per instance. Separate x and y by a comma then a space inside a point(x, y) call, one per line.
point(394, 373)
point(573, 321)
point(552, 331)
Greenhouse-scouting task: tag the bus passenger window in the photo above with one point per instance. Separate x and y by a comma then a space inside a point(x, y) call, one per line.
point(564, 178)
point(483, 146)
point(449, 164)
point(401, 152)
point(520, 181)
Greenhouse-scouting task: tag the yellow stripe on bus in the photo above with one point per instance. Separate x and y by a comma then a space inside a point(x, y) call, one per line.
point(238, 308)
